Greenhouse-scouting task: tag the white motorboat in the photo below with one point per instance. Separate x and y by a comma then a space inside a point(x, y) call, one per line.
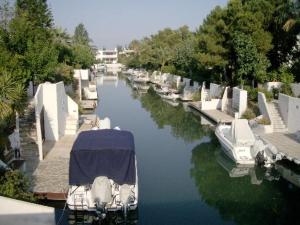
point(237, 141)
point(141, 79)
point(90, 92)
point(103, 172)
point(163, 90)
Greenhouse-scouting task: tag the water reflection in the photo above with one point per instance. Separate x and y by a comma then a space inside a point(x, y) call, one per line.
point(183, 124)
point(289, 172)
point(238, 198)
point(183, 176)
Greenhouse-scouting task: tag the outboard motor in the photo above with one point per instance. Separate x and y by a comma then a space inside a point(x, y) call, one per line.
point(102, 194)
point(125, 196)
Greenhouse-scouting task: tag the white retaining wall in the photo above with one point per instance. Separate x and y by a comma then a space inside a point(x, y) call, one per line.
point(215, 90)
point(296, 89)
point(290, 112)
point(213, 104)
point(271, 85)
point(263, 106)
point(239, 101)
point(16, 212)
point(224, 99)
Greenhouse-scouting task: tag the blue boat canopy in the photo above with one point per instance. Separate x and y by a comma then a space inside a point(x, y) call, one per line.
point(107, 153)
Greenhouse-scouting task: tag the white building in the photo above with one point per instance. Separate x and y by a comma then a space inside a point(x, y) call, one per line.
point(107, 56)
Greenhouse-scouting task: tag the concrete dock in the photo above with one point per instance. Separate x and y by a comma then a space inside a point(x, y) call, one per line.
point(51, 177)
point(286, 144)
point(215, 115)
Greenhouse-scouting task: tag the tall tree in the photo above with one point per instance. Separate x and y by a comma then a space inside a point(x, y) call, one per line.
point(81, 35)
point(36, 11)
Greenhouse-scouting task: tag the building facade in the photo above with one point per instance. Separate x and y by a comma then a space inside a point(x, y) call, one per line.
point(107, 56)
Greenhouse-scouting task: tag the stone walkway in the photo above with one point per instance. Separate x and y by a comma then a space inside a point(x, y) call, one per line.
point(216, 115)
point(286, 144)
point(51, 177)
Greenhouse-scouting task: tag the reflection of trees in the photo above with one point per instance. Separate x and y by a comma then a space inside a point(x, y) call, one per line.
point(237, 199)
point(183, 124)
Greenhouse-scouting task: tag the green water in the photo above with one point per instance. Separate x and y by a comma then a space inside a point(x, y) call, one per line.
point(184, 178)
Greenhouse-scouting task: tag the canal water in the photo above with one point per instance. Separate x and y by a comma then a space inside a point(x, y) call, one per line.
point(184, 178)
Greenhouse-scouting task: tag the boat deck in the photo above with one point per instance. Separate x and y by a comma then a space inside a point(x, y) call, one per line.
point(88, 104)
point(51, 177)
point(215, 115)
point(286, 144)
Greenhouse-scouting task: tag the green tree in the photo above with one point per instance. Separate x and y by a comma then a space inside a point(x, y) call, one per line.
point(83, 56)
point(81, 35)
point(250, 65)
point(36, 12)
point(12, 95)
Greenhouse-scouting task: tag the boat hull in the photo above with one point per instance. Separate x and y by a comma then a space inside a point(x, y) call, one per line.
point(239, 154)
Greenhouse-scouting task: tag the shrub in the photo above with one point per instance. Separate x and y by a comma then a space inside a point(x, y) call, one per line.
point(197, 96)
point(248, 114)
point(285, 76)
point(15, 184)
point(286, 89)
point(264, 121)
point(275, 92)
point(254, 107)
point(268, 94)
point(252, 93)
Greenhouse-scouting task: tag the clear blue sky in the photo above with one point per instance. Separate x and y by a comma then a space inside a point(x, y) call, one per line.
point(113, 22)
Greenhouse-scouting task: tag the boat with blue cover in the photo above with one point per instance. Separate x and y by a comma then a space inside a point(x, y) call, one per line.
point(103, 172)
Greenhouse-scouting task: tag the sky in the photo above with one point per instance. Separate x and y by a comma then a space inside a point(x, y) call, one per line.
point(118, 22)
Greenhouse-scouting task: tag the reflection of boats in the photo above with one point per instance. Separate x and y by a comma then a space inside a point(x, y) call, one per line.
point(113, 80)
point(237, 141)
point(163, 90)
point(110, 76)
point(288, 174)
point(141, 79)
point(236, 170)
point(172, 103)
point(142, 87)
point(103, 172)
point(169, 96)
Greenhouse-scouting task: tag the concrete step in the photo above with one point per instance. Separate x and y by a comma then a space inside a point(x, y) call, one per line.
point(70, 131)
point(72, 121)
point(71, 126)
point(277, 130)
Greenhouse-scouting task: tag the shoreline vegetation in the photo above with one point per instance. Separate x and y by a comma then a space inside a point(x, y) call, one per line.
point(244, 43)
point(33, 50)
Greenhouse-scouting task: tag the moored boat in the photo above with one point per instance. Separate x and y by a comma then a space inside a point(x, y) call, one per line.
point(237, 141)
point(103, 172)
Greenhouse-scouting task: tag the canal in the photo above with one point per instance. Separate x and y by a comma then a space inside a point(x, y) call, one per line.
point(184, 178)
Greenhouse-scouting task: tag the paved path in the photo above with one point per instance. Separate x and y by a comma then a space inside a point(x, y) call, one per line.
point(215, 115)
point(51, 177)
point(286, 144)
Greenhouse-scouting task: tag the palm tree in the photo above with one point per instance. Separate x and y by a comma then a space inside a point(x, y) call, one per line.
point(12, 96)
